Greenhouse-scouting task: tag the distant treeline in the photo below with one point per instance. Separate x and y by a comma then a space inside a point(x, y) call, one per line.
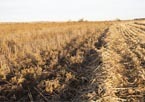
point(139, 19)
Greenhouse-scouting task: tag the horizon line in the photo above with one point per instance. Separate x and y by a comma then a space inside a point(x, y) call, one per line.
point(69, 20)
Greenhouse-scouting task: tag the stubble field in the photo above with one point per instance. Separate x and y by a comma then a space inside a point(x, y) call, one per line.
point(73, 61)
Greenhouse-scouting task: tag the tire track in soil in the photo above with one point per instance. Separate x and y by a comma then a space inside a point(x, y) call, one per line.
point(85, 87)
point(101, 41)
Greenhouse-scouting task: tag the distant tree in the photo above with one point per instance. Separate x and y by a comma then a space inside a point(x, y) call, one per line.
point(69, 20)
point(117, 19)
point(81, 20)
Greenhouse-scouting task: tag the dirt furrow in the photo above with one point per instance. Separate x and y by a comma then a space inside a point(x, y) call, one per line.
point(139, 33)
point(138, 23)
point(124, 73)
point(93, 89)
point(112, 70)
point(132, 75)
point(138, 28)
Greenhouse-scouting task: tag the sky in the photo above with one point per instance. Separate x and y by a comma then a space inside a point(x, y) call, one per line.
point(64, 10)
